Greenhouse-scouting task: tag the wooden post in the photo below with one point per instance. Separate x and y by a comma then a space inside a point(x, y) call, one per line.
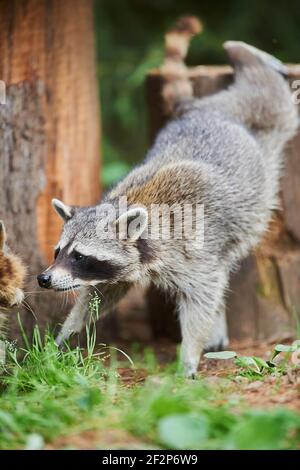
point(49, 139)
point(264, 298)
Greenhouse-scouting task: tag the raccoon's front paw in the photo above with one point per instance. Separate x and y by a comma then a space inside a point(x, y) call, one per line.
point(59, 342)
point(61, 338)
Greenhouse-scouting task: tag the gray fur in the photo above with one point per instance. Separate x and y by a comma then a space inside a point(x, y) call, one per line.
point(224, 151)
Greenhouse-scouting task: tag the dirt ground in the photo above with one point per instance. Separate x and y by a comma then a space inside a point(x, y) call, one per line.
point(269, 393)
point(89, 440)
point(266, 393)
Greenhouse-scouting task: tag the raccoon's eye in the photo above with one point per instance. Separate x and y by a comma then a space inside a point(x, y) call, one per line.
point(56, 252)
point(78, 256)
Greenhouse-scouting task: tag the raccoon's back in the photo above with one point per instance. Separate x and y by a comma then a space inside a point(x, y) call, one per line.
point(213, 139)
point(231, 159)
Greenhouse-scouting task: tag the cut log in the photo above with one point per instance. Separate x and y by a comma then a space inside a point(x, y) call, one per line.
point(264, 297)
point(49, 140)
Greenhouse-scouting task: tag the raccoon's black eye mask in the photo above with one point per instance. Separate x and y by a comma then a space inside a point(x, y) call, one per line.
point(75, 255)
point(86, 268)
point(78, 256)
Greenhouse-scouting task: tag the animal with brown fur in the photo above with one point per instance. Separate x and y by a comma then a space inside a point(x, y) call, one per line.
point(12, 274)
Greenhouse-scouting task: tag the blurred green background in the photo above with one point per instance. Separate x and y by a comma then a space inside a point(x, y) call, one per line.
point(129, 39)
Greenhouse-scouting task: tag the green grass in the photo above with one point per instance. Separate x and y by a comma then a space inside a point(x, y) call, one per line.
point(49, 393)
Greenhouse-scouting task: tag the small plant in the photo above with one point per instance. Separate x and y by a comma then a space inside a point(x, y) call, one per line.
point(256, 366)
point(94, 307)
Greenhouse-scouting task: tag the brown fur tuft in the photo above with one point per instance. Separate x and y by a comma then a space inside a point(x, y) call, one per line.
point(166, 186)
point(12, 275)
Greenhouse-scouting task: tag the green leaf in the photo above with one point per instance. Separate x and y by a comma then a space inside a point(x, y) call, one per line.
point(287, 348)
point(271, 364)
point(165, 405)
point(221, 355)
point(183, 431)
point(259, 430)
point(90, 399)
point(261, 363)
point(7, 420)
point(247, 362)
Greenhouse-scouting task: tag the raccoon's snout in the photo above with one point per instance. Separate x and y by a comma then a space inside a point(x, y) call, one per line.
point(44, 280)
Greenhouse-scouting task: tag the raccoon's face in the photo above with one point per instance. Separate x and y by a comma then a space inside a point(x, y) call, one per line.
point(86, 256)
point(12, 273)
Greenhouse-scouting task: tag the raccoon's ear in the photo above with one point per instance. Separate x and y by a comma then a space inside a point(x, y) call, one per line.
point(2, 235)
point(64, 211)
point(132, 223)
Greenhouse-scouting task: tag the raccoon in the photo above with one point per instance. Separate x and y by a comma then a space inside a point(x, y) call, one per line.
point(223, 152)
point(12, 273)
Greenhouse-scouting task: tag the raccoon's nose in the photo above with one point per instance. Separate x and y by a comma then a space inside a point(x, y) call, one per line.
point(44, 280)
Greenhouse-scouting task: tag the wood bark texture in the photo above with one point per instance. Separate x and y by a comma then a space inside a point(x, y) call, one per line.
point(49, 139)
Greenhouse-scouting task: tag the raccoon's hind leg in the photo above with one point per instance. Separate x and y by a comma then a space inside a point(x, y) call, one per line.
point(218, 339)
point(259, 98)
point(263, 99)
point(197, 313)
point(196, 325)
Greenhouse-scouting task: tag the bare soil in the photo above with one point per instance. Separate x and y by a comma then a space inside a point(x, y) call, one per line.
point(268, 393)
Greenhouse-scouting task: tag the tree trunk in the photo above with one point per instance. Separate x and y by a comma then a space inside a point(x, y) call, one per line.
point(264, 297)
point(49, 141)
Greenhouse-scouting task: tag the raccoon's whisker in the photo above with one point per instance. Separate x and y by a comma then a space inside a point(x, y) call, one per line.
point(33, 294)
point(74, 293)
point(65, 299)
point(101, 294)
point(36, 292)
point(78, 299)
point(61, 301)
point(28, 307)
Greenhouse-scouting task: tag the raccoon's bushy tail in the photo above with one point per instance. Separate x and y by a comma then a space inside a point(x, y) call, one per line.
point(177, 85)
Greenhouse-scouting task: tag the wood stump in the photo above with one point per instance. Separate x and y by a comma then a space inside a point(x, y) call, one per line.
point(264, 298)
point(49, 139)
